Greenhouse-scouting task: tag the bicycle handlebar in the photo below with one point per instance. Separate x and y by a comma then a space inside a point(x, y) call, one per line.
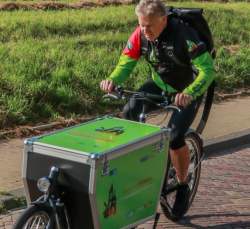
point(166, 99)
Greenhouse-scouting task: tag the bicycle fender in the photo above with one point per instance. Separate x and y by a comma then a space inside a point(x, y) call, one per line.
point(191, 131)
point(41, 204)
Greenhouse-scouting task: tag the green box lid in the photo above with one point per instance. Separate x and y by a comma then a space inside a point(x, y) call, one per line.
point(99, 135)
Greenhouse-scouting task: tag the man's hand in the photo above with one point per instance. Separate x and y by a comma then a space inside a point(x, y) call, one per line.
point(182, 99)
point(107, 85)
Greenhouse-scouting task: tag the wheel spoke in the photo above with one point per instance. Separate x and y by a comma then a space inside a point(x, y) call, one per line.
point(37, 226)
point(194, 169)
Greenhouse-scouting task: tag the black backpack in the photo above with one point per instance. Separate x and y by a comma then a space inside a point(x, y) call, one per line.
point(194, 17)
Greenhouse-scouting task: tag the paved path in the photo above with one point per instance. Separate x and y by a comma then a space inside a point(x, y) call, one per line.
point(11, 154)
point(225, 118)
point(222, 200)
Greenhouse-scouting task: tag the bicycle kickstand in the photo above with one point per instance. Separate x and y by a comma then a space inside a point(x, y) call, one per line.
point(157, 217)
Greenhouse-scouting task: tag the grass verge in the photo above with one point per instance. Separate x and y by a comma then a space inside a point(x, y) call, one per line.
point(52, 62)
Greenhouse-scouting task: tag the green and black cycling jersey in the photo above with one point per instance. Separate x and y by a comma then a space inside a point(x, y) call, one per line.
point(168, 72)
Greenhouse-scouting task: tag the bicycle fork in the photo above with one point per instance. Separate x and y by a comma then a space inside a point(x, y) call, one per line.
point(59, 214)
point(143, 115)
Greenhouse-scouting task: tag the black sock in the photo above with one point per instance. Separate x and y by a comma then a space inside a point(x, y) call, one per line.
point(183, 183)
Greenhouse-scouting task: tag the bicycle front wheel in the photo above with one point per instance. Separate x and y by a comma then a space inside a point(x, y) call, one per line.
point(33, 217)
point(193, 142)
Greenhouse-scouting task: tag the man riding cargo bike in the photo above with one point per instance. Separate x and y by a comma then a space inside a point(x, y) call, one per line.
point(181, 65)
point(109, 173)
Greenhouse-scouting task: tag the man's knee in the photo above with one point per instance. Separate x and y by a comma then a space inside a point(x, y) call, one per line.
point(176, 144)
point(131, 110)
point(177, 140)
point(127, 113)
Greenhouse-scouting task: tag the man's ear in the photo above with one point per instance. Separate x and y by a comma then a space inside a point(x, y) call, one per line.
point(165, 19)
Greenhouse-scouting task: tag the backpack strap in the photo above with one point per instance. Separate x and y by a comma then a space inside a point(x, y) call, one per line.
point(144, 46)
point(173, 25)
point(207, 107)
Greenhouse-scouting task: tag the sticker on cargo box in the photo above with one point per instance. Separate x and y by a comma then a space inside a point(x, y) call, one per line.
point(110, 206)
point(113, 172)
point(150, 204)
point(114, 130)
point(155, 147)
point(144, 158)
point(130, 214)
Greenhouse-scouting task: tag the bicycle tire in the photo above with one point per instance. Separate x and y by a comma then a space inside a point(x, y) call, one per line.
point(194, 143)
point(30, 217)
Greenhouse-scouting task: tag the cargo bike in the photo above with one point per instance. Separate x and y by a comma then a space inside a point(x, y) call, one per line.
point(108, 173)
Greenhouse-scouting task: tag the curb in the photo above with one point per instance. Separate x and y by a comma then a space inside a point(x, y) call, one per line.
point(226, 142)
point(54, 124)
point(211, 146)
point(15, 199)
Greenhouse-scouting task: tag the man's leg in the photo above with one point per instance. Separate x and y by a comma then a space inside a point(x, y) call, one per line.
point(180, 155)
point(180, 159)
point(133, 108)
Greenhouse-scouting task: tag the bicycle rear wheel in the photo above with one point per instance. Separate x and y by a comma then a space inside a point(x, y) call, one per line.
point(193, 142)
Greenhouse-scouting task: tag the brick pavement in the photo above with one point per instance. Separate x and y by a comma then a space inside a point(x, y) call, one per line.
point(223, 197)
point(222, 200)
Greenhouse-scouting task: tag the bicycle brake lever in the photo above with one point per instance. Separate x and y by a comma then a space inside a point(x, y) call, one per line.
point(172, 107)
point(109, 96)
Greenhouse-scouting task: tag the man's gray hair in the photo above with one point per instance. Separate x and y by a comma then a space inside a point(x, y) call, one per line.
point(149, 7)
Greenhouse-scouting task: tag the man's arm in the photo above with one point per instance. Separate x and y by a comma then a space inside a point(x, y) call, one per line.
point(126, 64)
point(123, 69)
point(207, 74)
point(201, 59)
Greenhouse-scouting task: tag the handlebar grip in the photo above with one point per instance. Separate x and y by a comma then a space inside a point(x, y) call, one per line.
point(119, 91)
point(115, 89)
point(171, 97)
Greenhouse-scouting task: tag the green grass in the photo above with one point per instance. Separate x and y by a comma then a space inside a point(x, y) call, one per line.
point(52, 62)
point(2, 209)
point(4, 193)
point(20, 201)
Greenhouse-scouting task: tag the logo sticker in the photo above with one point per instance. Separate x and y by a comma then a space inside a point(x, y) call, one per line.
point(114, 131)
point(144, 158)
point(191, 45)
point(113, 172)
point(110, 207)
point(129, 45)
point(150, 204)
point(155, 147)
point(130, 214)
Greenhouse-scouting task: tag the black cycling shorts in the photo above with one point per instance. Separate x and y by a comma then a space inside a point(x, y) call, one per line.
point(179, 121)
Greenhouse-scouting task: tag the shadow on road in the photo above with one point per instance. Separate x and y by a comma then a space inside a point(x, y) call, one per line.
point(187, 221)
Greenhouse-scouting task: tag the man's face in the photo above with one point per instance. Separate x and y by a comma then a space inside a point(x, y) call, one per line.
point(152, 26)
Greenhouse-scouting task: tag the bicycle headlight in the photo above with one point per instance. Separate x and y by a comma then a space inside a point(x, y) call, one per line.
point(43, 184)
